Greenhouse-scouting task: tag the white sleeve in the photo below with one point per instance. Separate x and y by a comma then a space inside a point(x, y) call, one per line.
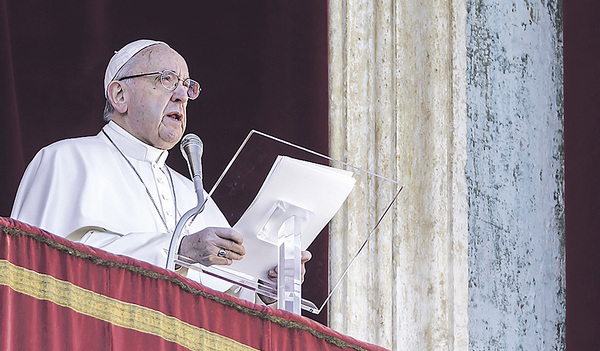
point(148, 247)
point(152, 248)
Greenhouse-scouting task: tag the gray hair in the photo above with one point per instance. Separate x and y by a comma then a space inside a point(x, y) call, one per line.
point(109, 109)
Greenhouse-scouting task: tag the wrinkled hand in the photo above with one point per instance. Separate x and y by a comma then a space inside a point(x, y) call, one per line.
point(306, 256)
point(204, 246)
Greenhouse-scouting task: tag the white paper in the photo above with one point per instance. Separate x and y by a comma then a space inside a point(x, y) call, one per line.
point(319, 189)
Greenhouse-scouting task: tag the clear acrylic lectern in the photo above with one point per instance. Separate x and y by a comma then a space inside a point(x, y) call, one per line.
point(280, 196)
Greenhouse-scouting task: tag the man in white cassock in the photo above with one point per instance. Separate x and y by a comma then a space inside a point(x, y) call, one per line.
point(114, 191)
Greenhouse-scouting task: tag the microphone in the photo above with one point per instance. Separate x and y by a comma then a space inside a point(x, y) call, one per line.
point(192, 147)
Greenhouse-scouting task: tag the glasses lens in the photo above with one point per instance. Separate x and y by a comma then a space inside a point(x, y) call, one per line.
point(169, 79)
point(193, 88)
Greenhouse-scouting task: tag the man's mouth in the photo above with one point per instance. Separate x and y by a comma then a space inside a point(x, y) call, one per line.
point(175, 115)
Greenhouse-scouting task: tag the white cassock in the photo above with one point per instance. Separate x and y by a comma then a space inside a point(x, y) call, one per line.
point(86, 186)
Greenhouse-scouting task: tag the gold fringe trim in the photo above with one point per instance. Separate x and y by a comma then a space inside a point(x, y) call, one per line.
point(144, 272)
point(122, 314)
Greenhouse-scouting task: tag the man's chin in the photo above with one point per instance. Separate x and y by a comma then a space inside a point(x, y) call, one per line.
point(166, 144)
point(169, 139)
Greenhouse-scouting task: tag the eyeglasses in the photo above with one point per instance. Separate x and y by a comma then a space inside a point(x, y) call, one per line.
point(170, 80)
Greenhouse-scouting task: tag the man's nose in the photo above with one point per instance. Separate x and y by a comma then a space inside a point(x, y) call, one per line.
point(180, 93)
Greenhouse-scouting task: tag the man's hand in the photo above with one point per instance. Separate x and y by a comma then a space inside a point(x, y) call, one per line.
point(213, 246)
point(306, 256)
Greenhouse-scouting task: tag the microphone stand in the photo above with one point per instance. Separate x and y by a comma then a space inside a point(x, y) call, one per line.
point(197, 179)
point(179, 228)
point(183, 221)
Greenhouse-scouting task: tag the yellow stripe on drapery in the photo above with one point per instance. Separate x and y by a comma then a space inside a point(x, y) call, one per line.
point(123, 314)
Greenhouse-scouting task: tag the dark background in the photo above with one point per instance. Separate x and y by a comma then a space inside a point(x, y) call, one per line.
point(582, 171)
point(262, 65)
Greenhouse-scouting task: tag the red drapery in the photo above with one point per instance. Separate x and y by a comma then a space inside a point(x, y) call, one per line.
point(262, 65)
point(60, 295)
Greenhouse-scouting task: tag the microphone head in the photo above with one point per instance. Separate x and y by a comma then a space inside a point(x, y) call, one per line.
point(191, 141)
point(192, 148)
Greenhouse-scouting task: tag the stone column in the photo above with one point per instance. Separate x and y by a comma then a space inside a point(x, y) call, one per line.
point(397, 107)
point(515, 175)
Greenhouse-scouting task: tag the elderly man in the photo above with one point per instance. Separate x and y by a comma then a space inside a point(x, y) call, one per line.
point(114, 190)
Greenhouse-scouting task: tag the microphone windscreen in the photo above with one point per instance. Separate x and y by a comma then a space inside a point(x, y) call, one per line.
point(191, 140)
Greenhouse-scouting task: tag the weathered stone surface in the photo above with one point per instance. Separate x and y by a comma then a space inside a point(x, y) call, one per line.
point(515, 176)
point(461, 101)
point(398, 107)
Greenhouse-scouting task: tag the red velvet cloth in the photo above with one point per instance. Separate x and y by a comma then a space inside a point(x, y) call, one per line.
point(59, 295)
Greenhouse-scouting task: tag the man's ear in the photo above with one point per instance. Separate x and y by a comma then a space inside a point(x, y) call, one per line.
point(116, 95)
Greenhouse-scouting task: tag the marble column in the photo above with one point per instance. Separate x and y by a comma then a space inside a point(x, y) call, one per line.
point(515, 175)
point(398, 108)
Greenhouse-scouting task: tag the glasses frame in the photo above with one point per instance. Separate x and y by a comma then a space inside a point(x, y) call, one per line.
point(162, 81)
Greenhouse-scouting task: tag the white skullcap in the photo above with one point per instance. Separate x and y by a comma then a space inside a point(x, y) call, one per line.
point(121, 57)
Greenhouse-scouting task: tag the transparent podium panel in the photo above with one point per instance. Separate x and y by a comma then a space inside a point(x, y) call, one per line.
point(281, 198)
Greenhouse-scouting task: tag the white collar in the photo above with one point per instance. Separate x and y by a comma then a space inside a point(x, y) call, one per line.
point(133, 147)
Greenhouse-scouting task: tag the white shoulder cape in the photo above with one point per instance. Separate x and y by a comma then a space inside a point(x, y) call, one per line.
point(86, 182)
